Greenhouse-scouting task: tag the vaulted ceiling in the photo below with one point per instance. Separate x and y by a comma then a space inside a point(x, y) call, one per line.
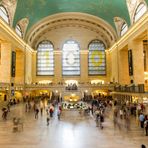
point(36, 10)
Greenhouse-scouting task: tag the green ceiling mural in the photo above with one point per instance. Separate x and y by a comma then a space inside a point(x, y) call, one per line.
point(36, 10)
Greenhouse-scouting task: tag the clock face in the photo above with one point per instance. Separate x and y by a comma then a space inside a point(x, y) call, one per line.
point(70, 58)
point(97, 58)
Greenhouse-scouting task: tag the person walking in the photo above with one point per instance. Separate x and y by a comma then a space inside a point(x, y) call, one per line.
point(5, 113)
point(8, 106)
point(48, 119)
point(97, 113)
point(51, 110)
point(146, 125)
point(59, 114)
point(101, 120)
point(41, 108)
point(141, 119)
point(121, 113)
point(36, 113)
point(26, 107)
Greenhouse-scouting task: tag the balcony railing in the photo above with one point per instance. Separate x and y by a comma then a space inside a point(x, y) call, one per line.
point(63, 86)
point(140, 88)
point(4, 86)
point(130, 88)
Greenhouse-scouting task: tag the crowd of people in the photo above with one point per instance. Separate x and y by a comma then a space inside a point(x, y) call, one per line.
point(122, 115)
point(6, 108)
point(99, 109)
point(72, 86)
point(42, 105)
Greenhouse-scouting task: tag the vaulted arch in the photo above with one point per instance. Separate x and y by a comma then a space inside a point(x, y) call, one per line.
point(132, 7)
point(10, 7)
point(23, 23)
point(140, 11)
point(76, 20)
point(121, 26)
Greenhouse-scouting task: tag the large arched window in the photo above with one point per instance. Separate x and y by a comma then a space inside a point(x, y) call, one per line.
point(71, 58)
point(141, 9)
point(19, 31)
point(96, 58)
point(124, 28)
point(45, 59)
point(4, 14)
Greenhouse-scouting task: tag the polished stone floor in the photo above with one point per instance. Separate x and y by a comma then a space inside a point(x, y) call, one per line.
point(72, 131)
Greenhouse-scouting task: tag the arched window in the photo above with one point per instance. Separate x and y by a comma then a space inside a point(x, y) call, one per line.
point(45, 59)
point(4, 14)
point(124, 28)
point(19, 31)
point(141, 9)
point(71, 58)
point(96, 58)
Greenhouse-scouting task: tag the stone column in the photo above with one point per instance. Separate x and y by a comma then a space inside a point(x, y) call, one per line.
point(34, 66)
point(138, 61)
point(108, 66)
point(19, 76)
point(5, 65)
point(146, 54)
point(123, 67)
point(28, 66)
point(58, 66)
point(114, 65)
point(84, 65)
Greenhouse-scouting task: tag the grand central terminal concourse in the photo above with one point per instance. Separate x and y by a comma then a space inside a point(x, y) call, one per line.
point(73, 73)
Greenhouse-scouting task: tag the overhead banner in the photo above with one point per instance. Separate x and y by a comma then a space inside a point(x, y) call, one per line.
point(13, 63)
point(130, 62)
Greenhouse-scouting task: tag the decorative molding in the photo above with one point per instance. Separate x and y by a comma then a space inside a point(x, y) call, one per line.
point(23, 23)
point(10, 6)
point(10, 34)
point(139, 26)
point(118, 23)
point(75, 20)
point(132, 6)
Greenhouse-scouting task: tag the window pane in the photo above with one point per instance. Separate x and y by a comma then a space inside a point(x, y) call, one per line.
point(71, 58)
point(141, 9)
point(4, 14)
point(124, 28)
point(97, 58)
point(45, 59)
point(19, 31)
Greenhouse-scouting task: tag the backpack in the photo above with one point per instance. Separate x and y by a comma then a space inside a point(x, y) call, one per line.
point(101, 118)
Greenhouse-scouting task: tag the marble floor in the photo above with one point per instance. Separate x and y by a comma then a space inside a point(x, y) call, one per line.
point(72, 131)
